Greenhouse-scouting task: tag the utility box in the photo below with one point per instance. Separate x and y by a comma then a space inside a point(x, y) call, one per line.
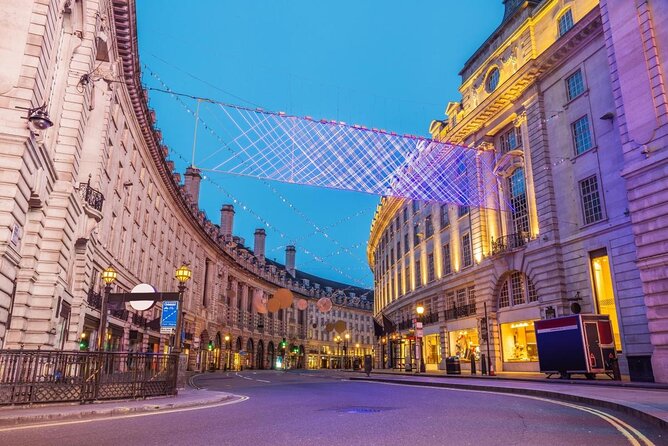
point(581, 343)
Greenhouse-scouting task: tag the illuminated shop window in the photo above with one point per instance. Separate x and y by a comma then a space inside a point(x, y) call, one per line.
point(432, 349)
point(604, 291)
point(464, 343)
point(518, 342)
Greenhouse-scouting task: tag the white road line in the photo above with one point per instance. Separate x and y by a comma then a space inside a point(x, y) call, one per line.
point(623, 427)
point(241, 399)
point(263, 380)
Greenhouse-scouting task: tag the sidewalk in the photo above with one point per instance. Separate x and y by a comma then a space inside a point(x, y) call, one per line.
point(189, 397)
point(647, 401)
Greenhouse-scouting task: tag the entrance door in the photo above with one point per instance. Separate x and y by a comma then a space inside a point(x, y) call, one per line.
point(594, 354)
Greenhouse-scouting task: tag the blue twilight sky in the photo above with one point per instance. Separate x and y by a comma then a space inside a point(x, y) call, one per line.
point(390, 65)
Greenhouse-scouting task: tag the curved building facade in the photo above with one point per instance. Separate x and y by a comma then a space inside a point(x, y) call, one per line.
point(538, 102)
point(89, 185)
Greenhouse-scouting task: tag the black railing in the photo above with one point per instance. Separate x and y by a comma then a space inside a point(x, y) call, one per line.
point(430, 318)
point(94, 299)
point(509, 242)
point(460, 312)
point(405, 325)
point(92, 197)
point(37, 376)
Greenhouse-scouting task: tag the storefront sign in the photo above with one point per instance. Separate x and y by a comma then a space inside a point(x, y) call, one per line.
point(170, 311)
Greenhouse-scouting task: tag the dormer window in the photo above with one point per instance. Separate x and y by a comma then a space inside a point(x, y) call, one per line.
point(492, 80)
point(565, 22)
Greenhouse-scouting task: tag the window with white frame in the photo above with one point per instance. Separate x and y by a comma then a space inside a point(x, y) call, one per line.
point(445, 219)
point(518, 200)
point(447, 263)
point(581, 135)
point(591, 200)
point(574, 85)
point(516, 289)
point(467, 258)
point(430, 267)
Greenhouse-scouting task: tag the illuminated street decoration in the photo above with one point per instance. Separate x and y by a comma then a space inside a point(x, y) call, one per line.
point(280, 147)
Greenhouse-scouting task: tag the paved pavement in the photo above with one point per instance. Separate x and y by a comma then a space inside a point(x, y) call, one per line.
point(647, 401)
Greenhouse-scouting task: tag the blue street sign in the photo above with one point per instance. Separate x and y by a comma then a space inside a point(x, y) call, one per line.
point(170, 311)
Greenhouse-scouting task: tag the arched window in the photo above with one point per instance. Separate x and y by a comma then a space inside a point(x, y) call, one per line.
point(516, 289)
point(518, 200)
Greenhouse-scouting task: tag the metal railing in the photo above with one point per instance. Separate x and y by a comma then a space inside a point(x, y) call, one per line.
point(92, 197)
point(509, 242)
point(94, 299)
point(38, 376)
point(460, 312)
point(430, 318)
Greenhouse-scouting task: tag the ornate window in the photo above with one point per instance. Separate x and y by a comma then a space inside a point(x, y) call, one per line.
point(565, 22)
point(511, 140)
point(492, 80)
point(516, 289)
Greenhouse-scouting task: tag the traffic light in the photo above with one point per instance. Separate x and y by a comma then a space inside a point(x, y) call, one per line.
point(283, 343)
point(210, 346)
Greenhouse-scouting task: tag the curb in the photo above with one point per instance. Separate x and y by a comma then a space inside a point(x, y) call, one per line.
point(599, 383)
point(112, 411)
point(532, 392)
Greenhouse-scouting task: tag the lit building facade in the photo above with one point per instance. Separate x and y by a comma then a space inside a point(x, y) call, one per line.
point(95, 189)
point(539, 104)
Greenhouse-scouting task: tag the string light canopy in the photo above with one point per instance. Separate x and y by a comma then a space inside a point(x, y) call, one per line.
point(332, 154)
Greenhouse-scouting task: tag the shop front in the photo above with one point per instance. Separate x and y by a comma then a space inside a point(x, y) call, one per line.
point(431, 348)
point(518, 340)
point(463, 342)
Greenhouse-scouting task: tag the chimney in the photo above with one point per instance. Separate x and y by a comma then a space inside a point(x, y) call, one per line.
point(226, 221)
point(192, 181)
point(258, 247)
point(290, 252)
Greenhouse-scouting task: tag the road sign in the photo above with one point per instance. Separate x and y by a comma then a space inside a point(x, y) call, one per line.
point(141, 305)
point(418, 325)
point(419, 333)
point(170, 311)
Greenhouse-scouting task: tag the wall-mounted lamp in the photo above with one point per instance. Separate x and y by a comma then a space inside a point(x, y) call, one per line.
point(609, 116)
point(38, 118)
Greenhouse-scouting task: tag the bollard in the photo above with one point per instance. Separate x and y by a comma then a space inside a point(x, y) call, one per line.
point(483, 364)
point(472, 365)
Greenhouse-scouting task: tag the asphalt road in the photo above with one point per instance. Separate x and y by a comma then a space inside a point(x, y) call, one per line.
point(305, 408)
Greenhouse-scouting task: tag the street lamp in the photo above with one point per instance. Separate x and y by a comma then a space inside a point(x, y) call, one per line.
point(228, 347)
point(345, 351)
point(418, 339)
point(182, 274)
point(108, 276)
point(337, 339)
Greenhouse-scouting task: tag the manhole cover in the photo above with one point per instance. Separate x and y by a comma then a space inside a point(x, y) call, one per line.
point(361, 410)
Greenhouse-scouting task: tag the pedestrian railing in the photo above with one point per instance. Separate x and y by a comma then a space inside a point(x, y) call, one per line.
point(39, 376)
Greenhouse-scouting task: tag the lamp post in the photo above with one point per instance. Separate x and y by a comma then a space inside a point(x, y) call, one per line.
point(228, 347)
point(419, 363)
point(345, 351)
point(183, 274)
point(337, 339)
point(108, 276)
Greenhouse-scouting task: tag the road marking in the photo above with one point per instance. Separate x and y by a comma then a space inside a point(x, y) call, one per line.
point(623, 427)
point(263, 380)
point(241, 398)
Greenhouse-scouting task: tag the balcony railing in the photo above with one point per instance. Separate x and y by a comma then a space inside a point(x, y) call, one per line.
point(430, 318)
point(94, 299)
point(509, 242)
point(92, 197)
point(460, 312)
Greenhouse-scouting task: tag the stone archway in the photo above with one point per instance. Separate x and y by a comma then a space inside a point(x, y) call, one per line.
point(271, 355)
point(259, 355)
